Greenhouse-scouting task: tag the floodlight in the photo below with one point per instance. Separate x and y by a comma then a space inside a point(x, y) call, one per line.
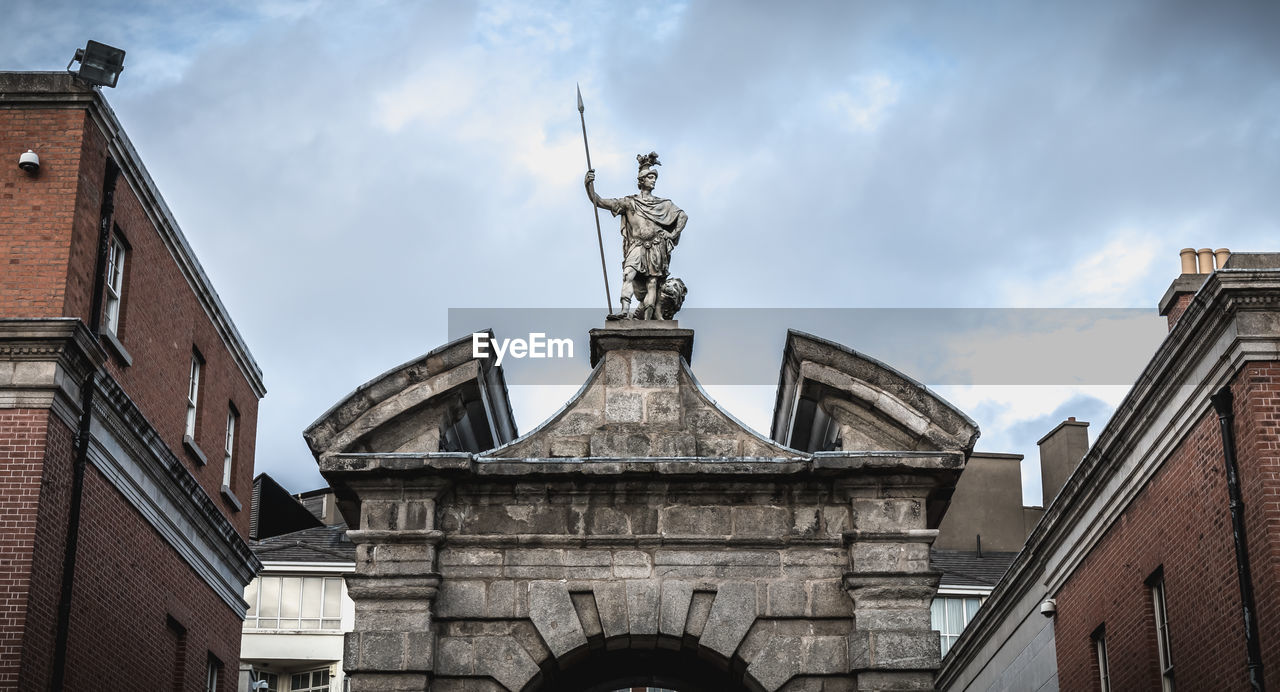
point(100, 64)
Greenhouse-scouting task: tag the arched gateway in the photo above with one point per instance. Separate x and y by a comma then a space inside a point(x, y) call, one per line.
point(642, 536)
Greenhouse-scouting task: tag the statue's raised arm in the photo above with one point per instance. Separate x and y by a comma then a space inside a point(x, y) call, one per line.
point(590, 182)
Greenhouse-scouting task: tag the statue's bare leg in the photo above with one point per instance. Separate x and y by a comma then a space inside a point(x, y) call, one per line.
point(628, 289)
point(651, 300)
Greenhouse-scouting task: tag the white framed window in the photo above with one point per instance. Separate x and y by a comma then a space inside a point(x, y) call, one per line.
point(229, 448)
point(294, 602)
point(1163, 647)
point(950, 614)
point(310, 681)
point(1099, 638)
point(212, 673)
point(115, 283)
point(193, 395)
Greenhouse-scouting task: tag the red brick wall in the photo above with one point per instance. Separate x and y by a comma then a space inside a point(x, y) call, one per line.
point(49, 547)
point(36, 212)
point(1181, 521)
point(128, 581)
point(1179, 306)
point(32, 444)
point(161, 321)
point(1257, 399)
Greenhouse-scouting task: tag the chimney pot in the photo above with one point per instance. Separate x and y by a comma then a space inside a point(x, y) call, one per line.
point(1188, 256)
point(1206, 260)
point(1220, 257)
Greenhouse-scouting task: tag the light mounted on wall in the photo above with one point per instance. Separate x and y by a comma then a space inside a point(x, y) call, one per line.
point(100, 64)
point(29, 162)
point(1049, 608)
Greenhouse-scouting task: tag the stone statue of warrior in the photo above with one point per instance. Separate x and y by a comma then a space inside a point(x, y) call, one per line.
point(651, 227)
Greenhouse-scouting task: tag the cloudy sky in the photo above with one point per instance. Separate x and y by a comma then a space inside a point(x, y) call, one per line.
point(349, 172)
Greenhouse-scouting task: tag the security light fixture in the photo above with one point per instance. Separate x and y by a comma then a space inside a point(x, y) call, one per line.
point(29, 162)
point(1049, 608)
point(100, 64)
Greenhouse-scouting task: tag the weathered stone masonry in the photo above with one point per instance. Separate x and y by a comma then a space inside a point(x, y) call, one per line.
point(642, 535)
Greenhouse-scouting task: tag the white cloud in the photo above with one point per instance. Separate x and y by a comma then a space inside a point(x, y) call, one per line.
point(1013, 418)
point(865, 104)
point(347, 171)
point(1107, 277)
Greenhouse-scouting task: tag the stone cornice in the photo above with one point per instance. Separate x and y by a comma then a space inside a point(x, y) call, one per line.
point(130, 453)
point(463, 464)
point(643, 335)
point(406, 387)
point(1234, 318)
point(61, 90)
point(926, 418)
point(653, 540)
point(44, 363)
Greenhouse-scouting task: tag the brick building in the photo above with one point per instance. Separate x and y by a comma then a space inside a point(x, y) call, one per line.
point(1133, 579)
point(123, 557)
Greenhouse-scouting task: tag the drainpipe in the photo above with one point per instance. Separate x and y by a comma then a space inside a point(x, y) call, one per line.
point(1222, 404)
point(82, 434)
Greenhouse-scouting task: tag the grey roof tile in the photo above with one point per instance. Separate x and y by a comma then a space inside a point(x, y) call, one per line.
point(966, 568)
point(318, 544)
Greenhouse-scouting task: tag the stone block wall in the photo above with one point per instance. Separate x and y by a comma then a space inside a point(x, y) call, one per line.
point(772, 575)
point(644, 537)
point(643, 403)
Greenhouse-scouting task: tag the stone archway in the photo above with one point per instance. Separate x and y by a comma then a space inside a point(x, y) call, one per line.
point(608, 670)
point(642, 524)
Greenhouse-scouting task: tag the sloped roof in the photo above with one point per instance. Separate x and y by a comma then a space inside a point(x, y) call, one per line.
point(273, 511)
point(318, 544)
point(968, 568)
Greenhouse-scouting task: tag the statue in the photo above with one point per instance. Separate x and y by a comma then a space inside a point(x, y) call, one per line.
point(651, 227)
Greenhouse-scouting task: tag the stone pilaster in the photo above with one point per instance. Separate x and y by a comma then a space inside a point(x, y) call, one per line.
point(394, 588)
point(893, 645)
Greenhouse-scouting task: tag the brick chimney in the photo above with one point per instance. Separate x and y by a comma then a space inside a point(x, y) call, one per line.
point(1196, 265)
point(1060, 451)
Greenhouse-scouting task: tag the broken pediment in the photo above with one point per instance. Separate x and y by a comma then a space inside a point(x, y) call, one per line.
point(641, 401)
point(444, 401)
point(833, 398)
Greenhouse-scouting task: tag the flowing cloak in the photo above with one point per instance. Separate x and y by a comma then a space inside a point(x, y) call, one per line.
point(648, 232)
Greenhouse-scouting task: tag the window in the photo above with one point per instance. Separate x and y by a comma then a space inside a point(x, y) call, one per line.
point(229, 448)
point(951, 614)
point(1099, 637)
point(211, 674)
point(115, 283)
point(1163, 648)
point(179, 639)
point(193, 395)
point(294, 603)
point(310, 681)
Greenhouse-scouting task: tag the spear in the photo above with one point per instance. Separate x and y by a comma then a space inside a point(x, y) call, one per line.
point(599, 236)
